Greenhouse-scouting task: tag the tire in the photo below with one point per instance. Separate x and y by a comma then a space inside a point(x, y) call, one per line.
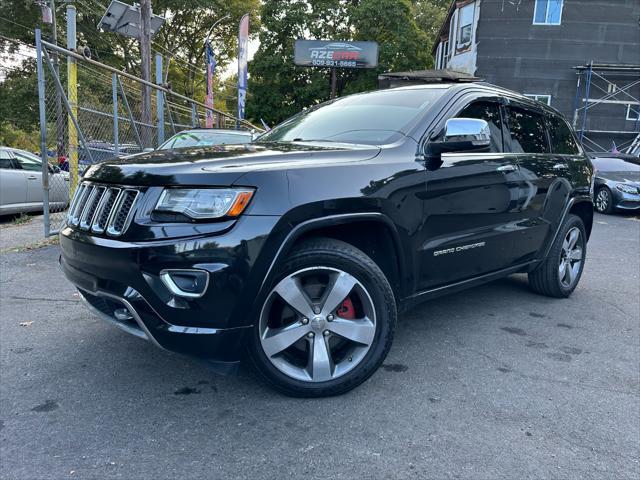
point(604, 201)
point(324, 269)
point(550, 278)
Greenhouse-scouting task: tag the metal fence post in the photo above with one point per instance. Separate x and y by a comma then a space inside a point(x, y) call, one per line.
point(43, 135)
point(114, 96)
point(194, 116)
point(159, 100)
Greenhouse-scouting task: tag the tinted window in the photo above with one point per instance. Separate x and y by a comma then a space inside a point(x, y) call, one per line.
point(528, 133)
point(28, 161)
point(5, 160)
point(371, 118)
point(490, 113)
point(204, 139)
point(562, 139)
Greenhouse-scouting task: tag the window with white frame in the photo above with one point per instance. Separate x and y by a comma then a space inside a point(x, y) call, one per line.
point(544, 98)
point(442, 54)
point(633, 112)
point(465, 27)
point(547, 12)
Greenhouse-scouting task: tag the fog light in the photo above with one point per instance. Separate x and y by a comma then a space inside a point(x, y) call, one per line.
point(186, 283)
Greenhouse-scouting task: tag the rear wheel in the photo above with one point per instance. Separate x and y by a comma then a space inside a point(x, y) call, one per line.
point(559, 274)
point(327, 323)
point(604, 200)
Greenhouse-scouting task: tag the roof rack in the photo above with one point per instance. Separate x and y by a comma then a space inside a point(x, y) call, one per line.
point(417, 77)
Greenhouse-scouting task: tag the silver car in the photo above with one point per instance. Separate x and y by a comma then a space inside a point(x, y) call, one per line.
point(21, 183)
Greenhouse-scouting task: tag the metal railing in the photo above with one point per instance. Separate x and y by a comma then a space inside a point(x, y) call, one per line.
point(98, 116)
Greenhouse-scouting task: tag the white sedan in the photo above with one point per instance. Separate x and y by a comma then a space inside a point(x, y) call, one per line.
point(21, 183)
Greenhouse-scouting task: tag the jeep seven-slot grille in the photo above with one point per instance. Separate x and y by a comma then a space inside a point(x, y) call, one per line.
point(100, 208)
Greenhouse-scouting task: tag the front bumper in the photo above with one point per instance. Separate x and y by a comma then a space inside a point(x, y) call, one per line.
point(625, 201)
point(120, 282)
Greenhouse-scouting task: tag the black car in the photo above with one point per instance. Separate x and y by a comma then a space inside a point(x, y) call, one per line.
point(617, 182)
point(301, 248)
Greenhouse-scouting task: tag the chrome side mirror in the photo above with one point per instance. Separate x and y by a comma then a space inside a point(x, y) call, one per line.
point(460, 135)
point(467, 130)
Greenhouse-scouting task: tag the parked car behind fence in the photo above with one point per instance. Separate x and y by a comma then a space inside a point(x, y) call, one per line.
point(21, 183)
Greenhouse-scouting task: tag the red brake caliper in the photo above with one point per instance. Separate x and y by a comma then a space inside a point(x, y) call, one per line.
point(346, 310)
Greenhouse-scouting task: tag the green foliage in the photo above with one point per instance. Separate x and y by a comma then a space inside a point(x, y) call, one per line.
point(280, 88)
point(19, 97)
point(15, 137)
point(405, 30)
point(182, 35)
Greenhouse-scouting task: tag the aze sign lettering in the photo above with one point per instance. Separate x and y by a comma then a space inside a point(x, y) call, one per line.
point(322, 53)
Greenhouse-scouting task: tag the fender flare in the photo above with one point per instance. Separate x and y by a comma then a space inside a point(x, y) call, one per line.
point(332, 220)
point(572, 201)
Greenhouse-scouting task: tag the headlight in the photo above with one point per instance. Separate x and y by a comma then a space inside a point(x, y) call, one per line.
point(200, 203)
point(626, 188)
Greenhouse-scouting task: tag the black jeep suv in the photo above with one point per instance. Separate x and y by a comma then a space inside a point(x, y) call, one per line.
point(300, 248)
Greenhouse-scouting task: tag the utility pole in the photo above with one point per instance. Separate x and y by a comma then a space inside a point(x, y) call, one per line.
point(72, 95)
point(56, 67)
point(145, 67)
point(334, 83)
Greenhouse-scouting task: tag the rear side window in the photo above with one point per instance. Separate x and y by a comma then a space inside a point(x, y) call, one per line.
point(490, 113)
point(528, 132)
point(5, 160)
point(562, 139)
point(29, 162)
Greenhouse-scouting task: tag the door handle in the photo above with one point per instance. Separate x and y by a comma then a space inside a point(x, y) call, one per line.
point(507, 168)
point(32, 177)
point(561, 166)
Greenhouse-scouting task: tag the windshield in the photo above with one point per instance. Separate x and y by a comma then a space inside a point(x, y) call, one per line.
point(205, 139)
point(373, 118)
point(615, 165)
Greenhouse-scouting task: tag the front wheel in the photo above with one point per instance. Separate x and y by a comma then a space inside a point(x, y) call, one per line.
point(558, 275)
point(327, 322)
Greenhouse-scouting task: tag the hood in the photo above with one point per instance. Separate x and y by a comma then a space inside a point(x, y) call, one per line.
point(620, 177)
point(195, 166)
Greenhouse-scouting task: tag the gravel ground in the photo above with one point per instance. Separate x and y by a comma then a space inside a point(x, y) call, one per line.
point(494, 382)
point(20, 234)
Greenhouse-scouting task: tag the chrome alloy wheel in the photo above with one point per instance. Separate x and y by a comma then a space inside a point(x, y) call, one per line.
point(602, 200)
point(571, 257)
point(317, 324)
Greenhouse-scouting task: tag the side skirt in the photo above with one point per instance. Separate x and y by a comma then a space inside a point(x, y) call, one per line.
point(420, 297)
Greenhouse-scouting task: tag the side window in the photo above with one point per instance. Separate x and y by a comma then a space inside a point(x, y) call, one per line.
point(29, 162)
point(528, 133)
point(489, 112)
point(562, 139)
point(465, 28)
point(5, 160)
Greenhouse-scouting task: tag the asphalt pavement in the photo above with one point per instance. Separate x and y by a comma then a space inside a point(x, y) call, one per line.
point(494, 382)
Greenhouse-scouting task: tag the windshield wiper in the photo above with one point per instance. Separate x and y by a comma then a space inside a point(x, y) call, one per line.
point(315, 140)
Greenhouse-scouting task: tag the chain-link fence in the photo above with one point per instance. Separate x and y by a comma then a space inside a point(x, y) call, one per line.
point(90, 112)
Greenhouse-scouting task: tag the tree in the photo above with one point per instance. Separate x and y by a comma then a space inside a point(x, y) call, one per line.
point(182, 35)
point(281, 89)
point(430, 15)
